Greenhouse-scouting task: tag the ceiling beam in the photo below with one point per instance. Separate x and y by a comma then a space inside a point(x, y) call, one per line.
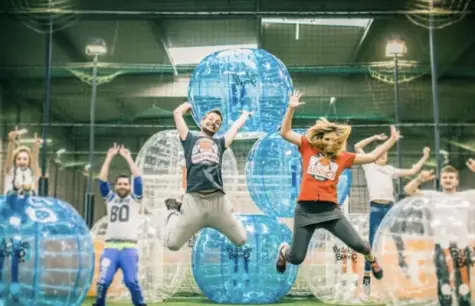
point(130, 87)
point(357, 54)
point(206, 8)
point(162, 39)
point(64, 42)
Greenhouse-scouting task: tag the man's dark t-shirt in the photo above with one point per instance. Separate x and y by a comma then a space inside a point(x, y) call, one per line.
point(203, 156)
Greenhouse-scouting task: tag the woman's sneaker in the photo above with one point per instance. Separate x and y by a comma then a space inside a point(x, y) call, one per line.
point(281, 261)
point(376, 269)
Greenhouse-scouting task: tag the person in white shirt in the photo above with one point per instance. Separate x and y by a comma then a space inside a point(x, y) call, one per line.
point(450, 218)
point(379, 178)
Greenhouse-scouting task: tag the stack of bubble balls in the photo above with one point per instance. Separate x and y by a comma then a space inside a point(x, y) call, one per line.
point(229, 274)
point(433, 240)
point(160, 270)
point(232, 81)
point(46, 252)
point(241, 79)
point(333, 271)
point(252, 80)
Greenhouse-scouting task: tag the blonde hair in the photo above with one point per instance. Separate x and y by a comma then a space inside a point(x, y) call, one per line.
point(450, 169)
point(18, 151)
point(316, 133)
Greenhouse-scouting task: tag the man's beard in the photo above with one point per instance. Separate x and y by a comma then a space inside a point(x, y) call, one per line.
point(123, 193)
point(208, 132)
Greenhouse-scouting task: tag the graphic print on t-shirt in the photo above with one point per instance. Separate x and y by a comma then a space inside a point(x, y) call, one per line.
point(322, 168)
point(205, 151)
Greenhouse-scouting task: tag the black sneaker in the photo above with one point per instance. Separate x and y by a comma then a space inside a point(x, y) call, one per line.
point(376, 269)
point(173, 204)
point(280, 261)
point(367, 284)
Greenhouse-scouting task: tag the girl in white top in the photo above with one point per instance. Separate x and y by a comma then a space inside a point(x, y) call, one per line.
point(21, 175)
point(21, 168)
point(379, 178)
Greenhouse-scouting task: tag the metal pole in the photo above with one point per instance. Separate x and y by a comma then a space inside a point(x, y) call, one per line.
point(435, 102)
point(56, 179)
point(89, 198)
point(398, 122)
point(43, 184)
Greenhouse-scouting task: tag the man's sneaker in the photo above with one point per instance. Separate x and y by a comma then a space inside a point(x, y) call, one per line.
point(376, 269)
point(367, 284)
point(281, 262)
point(172, 204)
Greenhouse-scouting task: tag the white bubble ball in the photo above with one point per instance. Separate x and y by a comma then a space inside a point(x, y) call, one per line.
point(425, 246)
point(161, 271)
point(163, 167)
point(333, 272)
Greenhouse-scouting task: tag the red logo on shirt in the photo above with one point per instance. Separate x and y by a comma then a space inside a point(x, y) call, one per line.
point(322, 168)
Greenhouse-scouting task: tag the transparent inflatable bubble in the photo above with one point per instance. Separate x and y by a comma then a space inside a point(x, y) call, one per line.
point(228, 274)
point(46, 253)
point(333, 272)
point(161, 271)
point(426, 246)
point(241, 79)
point(274, 172)
point(163, 168)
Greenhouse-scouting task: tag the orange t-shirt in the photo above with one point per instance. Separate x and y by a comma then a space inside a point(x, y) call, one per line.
point(320, 174)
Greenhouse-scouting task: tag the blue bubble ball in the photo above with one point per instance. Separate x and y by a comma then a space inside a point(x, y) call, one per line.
point(241, 79)
point(47, 253)
point(242, 275)
point(274, 172)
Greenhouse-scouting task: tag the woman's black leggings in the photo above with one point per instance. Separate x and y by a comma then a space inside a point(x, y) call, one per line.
point(340, 228)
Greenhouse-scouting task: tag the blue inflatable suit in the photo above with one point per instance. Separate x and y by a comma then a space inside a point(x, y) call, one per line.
point(229, 274)
point(46, 253)
point(241, 79)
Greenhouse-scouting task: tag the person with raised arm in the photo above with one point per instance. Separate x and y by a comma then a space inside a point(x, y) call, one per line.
point(324, 159)
point(124, 207)
point(204, 203)
point(379, 179)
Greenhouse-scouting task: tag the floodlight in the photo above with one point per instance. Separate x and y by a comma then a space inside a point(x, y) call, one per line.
point(396, 48)
point(96, 47)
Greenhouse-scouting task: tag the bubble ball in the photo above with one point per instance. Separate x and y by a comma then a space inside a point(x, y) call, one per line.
point(229, 274)
point(46, 251)
point(160, 270)
point(274, 172)
point(241, 79)
point(162, 164)
point(426, 248)
point(333, 272)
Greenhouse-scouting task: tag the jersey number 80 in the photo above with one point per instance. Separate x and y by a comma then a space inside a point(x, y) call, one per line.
point(120, 213)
